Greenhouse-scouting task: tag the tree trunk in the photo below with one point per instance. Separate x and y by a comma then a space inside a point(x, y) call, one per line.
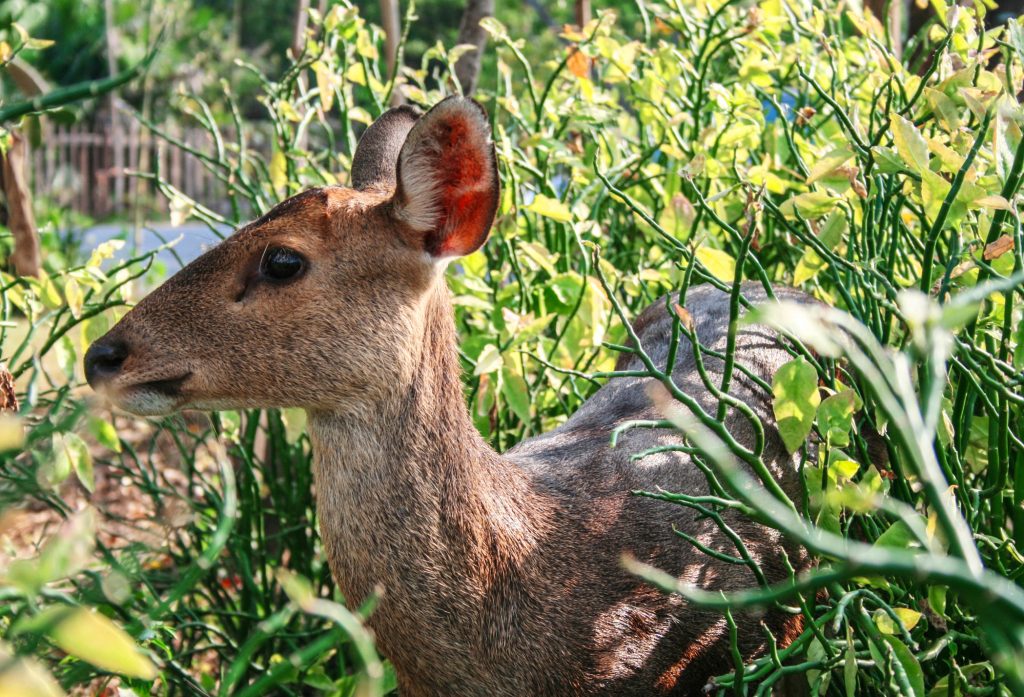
point(301, 22)
point(390, 19)
point(467, 69)
point(582, 13)
point(20, 220)
point(14, 182)
point(116, 137)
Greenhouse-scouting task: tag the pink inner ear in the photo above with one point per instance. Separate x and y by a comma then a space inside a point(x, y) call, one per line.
point(467, 188)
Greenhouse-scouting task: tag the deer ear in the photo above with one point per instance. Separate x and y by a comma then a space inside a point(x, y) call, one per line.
point(448, 179)
point(376, 156)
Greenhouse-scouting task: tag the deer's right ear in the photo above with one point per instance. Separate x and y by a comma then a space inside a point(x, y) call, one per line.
point(376, 156)
point(447, 189)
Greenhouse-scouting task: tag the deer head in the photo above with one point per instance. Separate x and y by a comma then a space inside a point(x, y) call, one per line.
point(319, 303)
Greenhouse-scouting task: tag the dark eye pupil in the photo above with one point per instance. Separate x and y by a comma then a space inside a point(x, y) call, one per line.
point(280, 264)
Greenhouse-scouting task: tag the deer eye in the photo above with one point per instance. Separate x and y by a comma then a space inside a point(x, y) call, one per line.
point(280, 264)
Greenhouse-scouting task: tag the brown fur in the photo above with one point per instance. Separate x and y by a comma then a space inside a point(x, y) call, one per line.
point(501, 573)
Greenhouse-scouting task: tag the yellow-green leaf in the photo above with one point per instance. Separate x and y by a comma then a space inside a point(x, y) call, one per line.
point(326, 81)
point(721, 264)
point(811, 263)
point(910, 144)
point(540, 256)
point(550, 208)
point(812, 204)
point(796, 399)
point(104, 250)
point(933, 192)
point(294, 424)
point(75, 296)
point(489, 360)
point(94, 638)
point(356, 74)
point(48, 293)
point(365, 46)
point(12, 432)
point(994, 201)
point(287, 111)
point(25, 677)
point(278, 171)
point(829, 163)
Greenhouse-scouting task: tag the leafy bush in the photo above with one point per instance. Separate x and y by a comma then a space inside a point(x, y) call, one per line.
point(786, 143)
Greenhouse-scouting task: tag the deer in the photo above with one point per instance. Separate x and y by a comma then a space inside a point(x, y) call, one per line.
point(501, 573)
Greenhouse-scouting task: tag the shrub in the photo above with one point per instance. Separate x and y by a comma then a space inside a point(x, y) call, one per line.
point(786, 143)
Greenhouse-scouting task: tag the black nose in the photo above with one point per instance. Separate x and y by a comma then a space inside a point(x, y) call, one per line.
point(103, 360)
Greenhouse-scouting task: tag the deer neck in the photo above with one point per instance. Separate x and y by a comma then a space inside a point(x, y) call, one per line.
point(408, 493)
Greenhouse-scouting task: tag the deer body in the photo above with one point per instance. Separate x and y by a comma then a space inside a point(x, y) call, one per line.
point(501, 573)
point(505, 569)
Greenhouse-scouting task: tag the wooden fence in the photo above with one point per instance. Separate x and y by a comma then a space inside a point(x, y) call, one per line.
point(92, 170)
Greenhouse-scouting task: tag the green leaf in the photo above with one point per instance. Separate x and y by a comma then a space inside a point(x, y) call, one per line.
point(833, 231)
point(104, 433)
point(1018, 350)
point(37, 44)
point(721, 264)
point(944, 108)
point(910, 144)
point(887, 160)
point(850, 665)
point(72, 453)
point(843, 468)
point(94, 638)
point(550, 208)
point(937, 599)
point(897, 535)
point(796, 400)
point(909, 663)
point(835, 418)
point(516, 393)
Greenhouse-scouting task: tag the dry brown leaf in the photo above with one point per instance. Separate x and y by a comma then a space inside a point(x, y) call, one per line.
point(8, 400)
point(998, 248)
point(685, 317)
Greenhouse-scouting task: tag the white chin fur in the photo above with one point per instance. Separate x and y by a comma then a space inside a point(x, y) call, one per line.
point(145, 402)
